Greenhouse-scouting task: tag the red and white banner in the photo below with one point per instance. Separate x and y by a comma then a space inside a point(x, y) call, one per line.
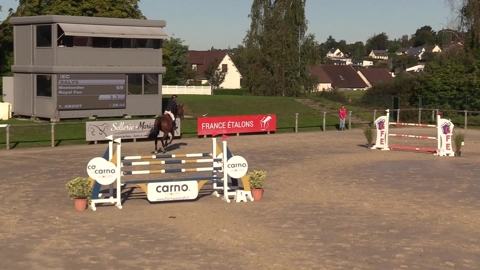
point(236, 124)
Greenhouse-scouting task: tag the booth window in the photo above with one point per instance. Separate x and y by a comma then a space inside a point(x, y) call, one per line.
point(150, 84)
point(44, 35)
point(44, 85)
point(100, 42)
point(135, 84)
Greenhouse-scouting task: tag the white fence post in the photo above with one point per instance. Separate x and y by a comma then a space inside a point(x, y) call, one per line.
point(7, 135)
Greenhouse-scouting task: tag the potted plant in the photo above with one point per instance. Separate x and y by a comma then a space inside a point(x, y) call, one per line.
point(80, 190)
point(368, 132)
point(256, 180)
point(459, 141)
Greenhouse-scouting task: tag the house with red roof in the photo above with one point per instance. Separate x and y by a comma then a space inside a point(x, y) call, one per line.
point(342, 77)
point(200, 60)
point(372, 76)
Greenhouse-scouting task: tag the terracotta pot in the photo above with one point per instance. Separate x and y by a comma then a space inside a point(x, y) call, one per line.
point(257, 193)
point(80, 204)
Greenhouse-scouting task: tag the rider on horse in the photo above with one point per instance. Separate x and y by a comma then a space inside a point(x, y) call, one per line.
point(171, 110)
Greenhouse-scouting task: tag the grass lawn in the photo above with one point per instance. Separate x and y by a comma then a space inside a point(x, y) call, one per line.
point(25, 133)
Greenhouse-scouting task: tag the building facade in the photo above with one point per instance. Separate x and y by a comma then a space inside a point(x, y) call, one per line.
point(76, 67)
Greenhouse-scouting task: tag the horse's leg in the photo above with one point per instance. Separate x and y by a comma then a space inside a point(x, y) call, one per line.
point(156, 142)
point(164, 140)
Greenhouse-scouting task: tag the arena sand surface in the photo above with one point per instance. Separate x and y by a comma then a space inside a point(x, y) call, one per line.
point(329, 203)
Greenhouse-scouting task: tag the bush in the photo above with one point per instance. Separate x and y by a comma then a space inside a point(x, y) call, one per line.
point(333, 95)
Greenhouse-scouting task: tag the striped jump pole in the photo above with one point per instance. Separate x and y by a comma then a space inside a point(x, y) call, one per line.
point(444, 129)
point(167, 156)
point(412, 124)
point(412, 136)
point(412, 148)
point(166, 162)
point(205, 169)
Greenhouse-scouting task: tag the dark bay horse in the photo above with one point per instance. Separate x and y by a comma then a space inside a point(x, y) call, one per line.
point(165, 124)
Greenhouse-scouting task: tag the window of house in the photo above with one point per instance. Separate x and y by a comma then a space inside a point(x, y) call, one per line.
point(194, 66)
point(150, 84)
point(44, 85)
point(44, 36)
point(224, 68)
point(135, 84)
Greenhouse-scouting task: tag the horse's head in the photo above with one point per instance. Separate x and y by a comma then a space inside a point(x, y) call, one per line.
point(180, 111)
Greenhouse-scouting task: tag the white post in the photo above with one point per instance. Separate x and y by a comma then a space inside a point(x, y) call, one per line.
point(387, 130)
point(439, 145)
point(119, 174)
point(110, 156)
point(225, 175)
point(214, 156)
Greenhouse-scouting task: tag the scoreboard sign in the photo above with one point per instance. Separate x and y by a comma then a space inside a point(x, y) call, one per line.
point(91, 91)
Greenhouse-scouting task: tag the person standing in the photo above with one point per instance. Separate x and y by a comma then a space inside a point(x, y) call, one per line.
point(342, 114)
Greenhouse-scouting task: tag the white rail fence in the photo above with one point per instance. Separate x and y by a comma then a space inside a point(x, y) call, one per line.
point(186, 90)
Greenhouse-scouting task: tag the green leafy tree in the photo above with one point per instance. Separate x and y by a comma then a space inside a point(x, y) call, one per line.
point(214, 74)
point(377, 42)
point(175, 62)
point(278, 51)
point(424, 36)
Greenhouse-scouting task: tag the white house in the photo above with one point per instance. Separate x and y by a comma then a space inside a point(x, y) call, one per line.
point(416, 68)
point(378, 54)
point(362, 63)
point(200, 60)
point(335, 53)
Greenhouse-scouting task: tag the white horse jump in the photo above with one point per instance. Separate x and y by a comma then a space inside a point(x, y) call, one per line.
point(218, 158)
point(444, 136)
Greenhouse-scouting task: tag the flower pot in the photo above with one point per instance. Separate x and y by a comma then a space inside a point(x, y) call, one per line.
point(257, 193)
point(80, 204)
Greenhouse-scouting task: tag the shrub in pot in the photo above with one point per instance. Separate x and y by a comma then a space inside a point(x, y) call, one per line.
point(368, 132)
point(80, 190)
point(257, 180)
point(459, 139)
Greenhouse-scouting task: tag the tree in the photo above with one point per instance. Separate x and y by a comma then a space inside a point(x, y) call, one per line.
point(214, 74)
point(377, 42)
point(468, 23)
point(175, 62)
point(277, 49)
point(424, 36)
point(92, 8)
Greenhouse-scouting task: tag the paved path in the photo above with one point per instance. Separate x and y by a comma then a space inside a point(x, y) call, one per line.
point(329, 204)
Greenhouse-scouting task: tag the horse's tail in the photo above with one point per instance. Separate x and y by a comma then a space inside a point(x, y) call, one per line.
point(155, 130)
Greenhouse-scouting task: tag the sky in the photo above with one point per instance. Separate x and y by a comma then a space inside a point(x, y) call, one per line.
point(223, 23)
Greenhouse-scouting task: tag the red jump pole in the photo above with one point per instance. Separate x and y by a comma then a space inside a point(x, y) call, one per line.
point(412, 148)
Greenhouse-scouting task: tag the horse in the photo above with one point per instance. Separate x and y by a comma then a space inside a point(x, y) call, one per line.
point(164, 123)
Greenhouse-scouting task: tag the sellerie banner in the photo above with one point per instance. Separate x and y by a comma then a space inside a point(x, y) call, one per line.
point(236, 124)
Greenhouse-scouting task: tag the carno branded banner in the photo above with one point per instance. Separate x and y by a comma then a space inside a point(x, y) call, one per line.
point(125, 129)
point(236, 124)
